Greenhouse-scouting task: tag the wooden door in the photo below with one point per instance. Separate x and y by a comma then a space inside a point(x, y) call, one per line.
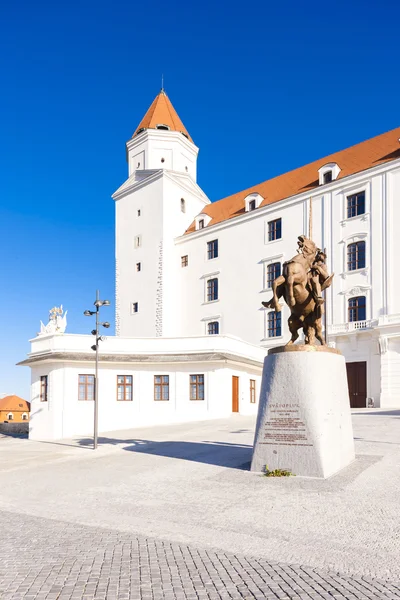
point(235, 393)
point(357, 380)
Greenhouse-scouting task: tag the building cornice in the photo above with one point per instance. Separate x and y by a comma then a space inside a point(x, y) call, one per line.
point(163, 136)
point(336, 187)
point(79, 357)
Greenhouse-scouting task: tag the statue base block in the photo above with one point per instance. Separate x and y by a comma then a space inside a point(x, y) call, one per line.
point(304, 419)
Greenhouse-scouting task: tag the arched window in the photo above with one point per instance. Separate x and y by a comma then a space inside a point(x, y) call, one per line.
point(163, 127)
point(356, 256)
point(213, 328)
point(10, 417)
point(357, 309)
point(274, 324)
point(183, 205)
point(273, 272)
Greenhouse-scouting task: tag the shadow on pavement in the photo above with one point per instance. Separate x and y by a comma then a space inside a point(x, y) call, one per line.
point(221, 454)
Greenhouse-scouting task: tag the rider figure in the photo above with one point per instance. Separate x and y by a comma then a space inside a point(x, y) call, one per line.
point(318, 276)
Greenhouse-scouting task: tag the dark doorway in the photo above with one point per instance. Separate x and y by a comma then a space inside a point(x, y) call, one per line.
point(235, 393)
point(357, 380)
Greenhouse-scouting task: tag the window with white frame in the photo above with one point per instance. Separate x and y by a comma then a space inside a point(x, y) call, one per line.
point(212, 289)
point(124, 387)
point(273, 272)
point(202, 220)
point(356, 256)
point(213, 328)
point(357, 309)
point(196, 384)
point(252, 391)
point(355, 204)
point(138, 241)
point(274, 327)
point(10, 417)
point(274, 230)
point(212, 249)
point(161, 387)
point(252, 201)
point(328, 173)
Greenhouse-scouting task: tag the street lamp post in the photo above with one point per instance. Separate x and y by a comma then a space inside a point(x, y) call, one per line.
point(95, 347)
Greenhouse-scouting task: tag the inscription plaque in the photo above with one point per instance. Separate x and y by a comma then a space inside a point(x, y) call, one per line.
point(284, 426)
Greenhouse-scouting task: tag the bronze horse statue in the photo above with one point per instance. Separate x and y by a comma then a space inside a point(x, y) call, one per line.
point(303, 279)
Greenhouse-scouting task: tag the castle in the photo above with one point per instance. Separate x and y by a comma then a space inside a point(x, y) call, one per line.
point(191, 333)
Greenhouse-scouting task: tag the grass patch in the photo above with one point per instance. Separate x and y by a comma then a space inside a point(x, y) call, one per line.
point(278, 473)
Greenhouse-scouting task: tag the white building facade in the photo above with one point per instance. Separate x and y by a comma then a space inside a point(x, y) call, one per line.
point(191, 276)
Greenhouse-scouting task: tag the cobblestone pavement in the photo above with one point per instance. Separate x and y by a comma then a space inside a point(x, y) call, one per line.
point(43, 559)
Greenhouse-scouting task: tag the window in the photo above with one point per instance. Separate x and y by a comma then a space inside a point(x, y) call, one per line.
point(252, 205)
point(163, 127)
point(274, 230)
point(138, 212)
point(273, 271)
point(138, 241)
point(356, 256)
point(44, 388)
point(201, 223)
point(328, 177)
point(252, 391)
point(213, 328)
point(135, 307)
point(274, 324)
point(197, 387)
point(24, 417)
point(161, 387)
point(10, 417)
point(183, 205)
point(355, 205)
point(138, 267)
point(86, 387)
point(212, 249)
point(357, 310)
point(212, 289)
point(184, 261)
point(124, 387)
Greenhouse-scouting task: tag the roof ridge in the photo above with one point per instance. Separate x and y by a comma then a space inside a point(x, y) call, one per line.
point(359, 157)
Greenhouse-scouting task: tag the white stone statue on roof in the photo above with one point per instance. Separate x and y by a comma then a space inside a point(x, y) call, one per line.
point(57, 322)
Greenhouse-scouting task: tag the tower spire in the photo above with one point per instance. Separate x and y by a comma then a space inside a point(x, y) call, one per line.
point(162, 115)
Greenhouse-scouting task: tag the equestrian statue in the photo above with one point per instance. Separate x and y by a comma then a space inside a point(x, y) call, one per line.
point(301, 284)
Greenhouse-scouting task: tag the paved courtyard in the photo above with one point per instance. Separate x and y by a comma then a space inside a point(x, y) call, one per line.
point(173, 512)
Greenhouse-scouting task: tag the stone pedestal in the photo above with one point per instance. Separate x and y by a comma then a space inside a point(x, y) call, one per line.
point(304, 419)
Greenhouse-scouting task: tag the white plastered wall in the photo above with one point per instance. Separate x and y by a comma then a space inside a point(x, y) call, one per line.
point(64, 416)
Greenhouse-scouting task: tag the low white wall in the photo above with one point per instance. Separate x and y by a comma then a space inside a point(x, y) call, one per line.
point(63, 415)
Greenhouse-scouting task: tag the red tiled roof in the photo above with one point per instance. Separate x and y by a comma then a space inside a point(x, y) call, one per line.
point(373, 152)
point(161, 112)
point(14, 403)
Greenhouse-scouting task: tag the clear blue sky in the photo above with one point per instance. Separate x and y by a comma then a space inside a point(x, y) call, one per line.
point(262, 88)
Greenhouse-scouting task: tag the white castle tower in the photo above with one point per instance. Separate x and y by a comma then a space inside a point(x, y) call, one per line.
point(157, 203)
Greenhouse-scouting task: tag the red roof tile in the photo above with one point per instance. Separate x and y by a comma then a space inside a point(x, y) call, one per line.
point(161, 112)
point(371, 153)
point(14, 403)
